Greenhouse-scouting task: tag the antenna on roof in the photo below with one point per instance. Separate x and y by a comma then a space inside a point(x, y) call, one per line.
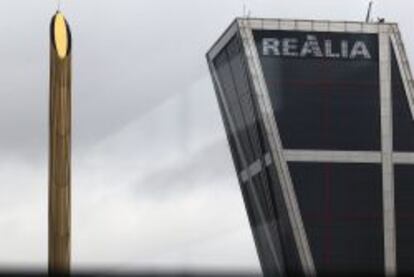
point(368, 17)
point(246, 11)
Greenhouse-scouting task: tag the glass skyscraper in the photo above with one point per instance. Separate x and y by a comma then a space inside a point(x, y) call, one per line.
point(319, 117)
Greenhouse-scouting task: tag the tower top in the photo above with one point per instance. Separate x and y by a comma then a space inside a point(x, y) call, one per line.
point(61, 35)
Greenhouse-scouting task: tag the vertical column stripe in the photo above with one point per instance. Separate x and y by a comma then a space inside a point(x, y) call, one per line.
point(387, 161)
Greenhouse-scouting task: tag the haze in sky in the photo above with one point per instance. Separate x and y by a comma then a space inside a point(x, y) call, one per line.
point(153, 180)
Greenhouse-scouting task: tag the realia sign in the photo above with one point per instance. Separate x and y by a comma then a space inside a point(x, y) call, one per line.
point(314, 45)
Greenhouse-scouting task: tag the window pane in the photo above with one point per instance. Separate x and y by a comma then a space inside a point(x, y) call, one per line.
point(318, 102)
point(404, 205)
point(341, 205)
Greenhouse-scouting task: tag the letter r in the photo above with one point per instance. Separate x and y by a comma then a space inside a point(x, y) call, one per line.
point(271, 46)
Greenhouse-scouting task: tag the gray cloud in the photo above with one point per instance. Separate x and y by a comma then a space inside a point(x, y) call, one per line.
point(153, 181)
point(211, 163)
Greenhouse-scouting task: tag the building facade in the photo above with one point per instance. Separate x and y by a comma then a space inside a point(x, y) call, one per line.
point(319, 117)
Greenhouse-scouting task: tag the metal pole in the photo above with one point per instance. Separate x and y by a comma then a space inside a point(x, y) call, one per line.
point(60, 146)
point(368, 17)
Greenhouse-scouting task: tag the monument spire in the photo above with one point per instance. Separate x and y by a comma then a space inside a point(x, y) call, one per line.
point(60, 145)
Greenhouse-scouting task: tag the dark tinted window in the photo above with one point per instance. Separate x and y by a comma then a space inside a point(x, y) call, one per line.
point(265, 224)
point(292, 261)
point(403, 121)
point(404, 205)
point(319, 102)
point(234, 78)
point(225, 74)
point(341, 205)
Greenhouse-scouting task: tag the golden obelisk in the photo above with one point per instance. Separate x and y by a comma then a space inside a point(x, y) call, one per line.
point(60, 146)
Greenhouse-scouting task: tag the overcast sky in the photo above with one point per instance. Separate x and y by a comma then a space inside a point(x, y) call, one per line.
point(153, 181)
